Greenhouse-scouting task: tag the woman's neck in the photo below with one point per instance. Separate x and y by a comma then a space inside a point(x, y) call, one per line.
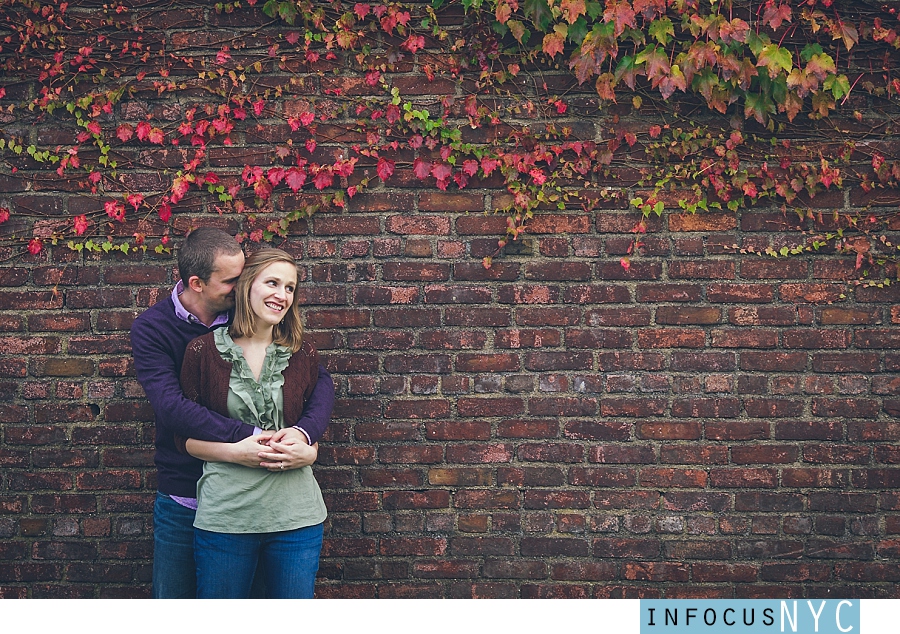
point(261, 337)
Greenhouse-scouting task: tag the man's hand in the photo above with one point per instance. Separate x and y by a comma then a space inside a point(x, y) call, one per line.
point(288, 449)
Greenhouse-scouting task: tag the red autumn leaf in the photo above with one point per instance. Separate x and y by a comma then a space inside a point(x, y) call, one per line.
point(4, 215)
point(94, 128)
point(115, 210)
point(258, 107)
point(361, 10)
point(502, 12)
point(621, 14)
point(604, 87)
point(774, 15)
point(324, 178)
point(135, 200)
point(165, 212)
point(572, 9)
point(295, 178)
point(156, 136)
point(275, 175)
point(488, 165)
point(143, 130)
point(94, 178)
point(263, 189)
point(179, 189)
point(654, 131)
point(554, 43)
point(81, 224)
point(421, 168)
point(470, 167)
point(414, 43)
point(649, 9)
point(35, 246)
point(441, 171)
point(385, 168)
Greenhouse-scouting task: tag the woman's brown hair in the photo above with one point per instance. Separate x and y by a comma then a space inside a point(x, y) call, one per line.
point(289, 332)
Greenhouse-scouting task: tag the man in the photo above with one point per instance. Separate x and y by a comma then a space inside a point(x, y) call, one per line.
point(209, 263)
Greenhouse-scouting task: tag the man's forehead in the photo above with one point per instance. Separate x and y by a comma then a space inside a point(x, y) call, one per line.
point(226, 261)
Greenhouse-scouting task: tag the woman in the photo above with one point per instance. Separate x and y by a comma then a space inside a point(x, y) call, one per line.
point(258, 370)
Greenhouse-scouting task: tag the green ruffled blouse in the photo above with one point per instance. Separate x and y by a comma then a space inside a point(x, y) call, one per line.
point(236, 499)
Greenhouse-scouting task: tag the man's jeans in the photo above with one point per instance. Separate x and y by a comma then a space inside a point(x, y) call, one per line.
point(174, 571)
point(288, 559)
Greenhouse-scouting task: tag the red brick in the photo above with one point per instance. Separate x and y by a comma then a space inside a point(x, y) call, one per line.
point(701, 269)
point(486, 499)
point(676, 430)
point(481, 363)
point(762, 316)
point(677, 478)
point(740, 338)
point(740, 293)
point(671, 338)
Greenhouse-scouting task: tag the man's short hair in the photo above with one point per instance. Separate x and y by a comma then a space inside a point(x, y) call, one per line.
point(197, 254)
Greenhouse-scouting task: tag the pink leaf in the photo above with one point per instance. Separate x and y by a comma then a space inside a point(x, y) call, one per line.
point(165, 212)
point(143, 130)
point(81, 224)
point(124, 132)
point(385, 168)
point(421, 168)
point(135, 200)
point(323, 179)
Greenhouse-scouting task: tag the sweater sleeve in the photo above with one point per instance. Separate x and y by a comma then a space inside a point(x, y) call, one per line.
point(318, 398)
point(157, 373)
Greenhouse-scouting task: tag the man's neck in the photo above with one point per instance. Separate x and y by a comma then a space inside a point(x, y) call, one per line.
point(192, 303)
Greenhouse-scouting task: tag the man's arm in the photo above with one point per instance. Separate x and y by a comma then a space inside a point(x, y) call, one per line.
point(317, 409)
point(154, 364)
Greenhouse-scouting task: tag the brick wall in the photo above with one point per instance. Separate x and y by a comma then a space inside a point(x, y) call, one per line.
point(703, 424)
point(553, 426)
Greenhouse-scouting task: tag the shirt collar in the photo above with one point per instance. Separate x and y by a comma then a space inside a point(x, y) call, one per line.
point(184, 315)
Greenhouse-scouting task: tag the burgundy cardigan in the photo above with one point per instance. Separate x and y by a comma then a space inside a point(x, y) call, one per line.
point(205, 376)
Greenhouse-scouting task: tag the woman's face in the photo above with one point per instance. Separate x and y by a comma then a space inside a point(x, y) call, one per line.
point(272, 292)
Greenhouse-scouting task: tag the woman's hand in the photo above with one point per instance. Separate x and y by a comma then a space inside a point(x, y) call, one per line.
point(245, 452)
point(288, 449)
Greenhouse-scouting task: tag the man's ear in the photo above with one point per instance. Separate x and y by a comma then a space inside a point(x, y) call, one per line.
point(195, 283)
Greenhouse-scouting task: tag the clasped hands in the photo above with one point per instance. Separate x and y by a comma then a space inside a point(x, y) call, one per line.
point(280, 450)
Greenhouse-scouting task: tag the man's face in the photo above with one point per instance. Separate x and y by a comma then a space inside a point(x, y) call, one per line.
point(218, 292)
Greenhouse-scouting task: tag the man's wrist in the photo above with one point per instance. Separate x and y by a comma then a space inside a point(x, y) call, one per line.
point(303, 431)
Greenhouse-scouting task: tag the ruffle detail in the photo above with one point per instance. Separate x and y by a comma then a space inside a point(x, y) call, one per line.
point(259, 396)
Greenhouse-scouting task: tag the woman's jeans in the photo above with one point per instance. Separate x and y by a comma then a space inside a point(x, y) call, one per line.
point(226, 563)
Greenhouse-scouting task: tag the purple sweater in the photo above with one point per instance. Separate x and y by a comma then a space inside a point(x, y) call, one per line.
point(158, 342)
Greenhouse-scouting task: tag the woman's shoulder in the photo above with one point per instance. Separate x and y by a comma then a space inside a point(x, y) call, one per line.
point(201, 343)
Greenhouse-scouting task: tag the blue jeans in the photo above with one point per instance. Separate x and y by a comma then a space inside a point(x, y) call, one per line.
point(174, 571)
point(226, 563)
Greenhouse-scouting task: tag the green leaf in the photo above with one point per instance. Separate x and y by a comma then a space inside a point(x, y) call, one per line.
point(577, 31)
point(757, 42)
point(538, 12)
point(839, 85)
point(775, 59)
point(809, 51)
point(662, 30)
